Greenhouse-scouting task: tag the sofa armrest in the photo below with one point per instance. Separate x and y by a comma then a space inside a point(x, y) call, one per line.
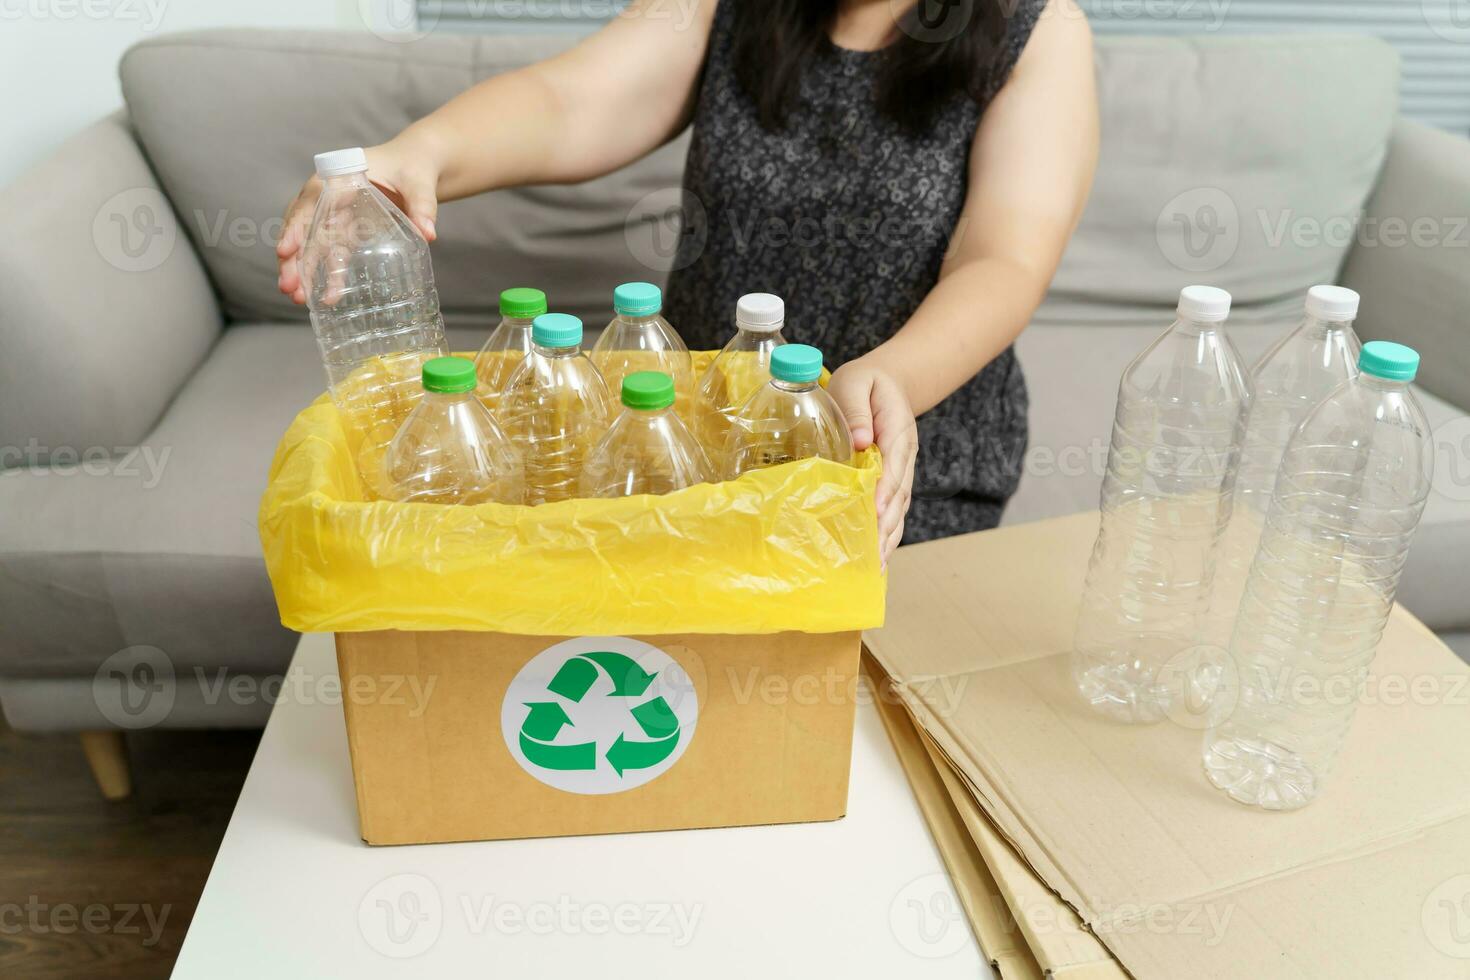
point(104, 305)
point(1412, 258)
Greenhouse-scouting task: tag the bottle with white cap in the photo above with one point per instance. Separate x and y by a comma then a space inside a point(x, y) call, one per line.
point(1165, 503)
point(741, 367)
point(1289, 380)
point(374, 309)
point(1352, 486)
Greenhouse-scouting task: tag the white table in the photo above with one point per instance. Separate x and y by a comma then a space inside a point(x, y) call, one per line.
point(295, 893)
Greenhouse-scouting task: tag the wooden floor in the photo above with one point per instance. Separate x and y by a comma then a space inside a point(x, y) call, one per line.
point(91, 889)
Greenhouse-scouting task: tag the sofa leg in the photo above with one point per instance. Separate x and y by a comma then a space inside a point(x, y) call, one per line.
point(107, 754)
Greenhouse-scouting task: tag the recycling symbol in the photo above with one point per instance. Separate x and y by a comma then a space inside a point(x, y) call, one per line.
point(599, 715)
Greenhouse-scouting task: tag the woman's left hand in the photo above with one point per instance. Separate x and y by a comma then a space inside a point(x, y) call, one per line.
point(878, 410)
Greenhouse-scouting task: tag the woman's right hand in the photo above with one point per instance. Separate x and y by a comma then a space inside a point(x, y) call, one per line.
point(410, 179)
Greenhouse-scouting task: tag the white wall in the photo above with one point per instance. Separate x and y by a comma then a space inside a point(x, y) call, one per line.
point(58, 58)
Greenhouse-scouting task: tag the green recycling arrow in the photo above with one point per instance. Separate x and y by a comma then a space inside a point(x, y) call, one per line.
point(545, 720)
point(573, 679)
point(625, 755)
point(629, 679)
point(656, 718)
point(580, 756)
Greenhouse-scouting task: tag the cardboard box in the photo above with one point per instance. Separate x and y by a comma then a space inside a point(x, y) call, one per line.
point(1174, 878)
point(482, 736)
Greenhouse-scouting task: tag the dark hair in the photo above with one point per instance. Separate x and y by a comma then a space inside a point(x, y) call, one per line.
point(933, 59)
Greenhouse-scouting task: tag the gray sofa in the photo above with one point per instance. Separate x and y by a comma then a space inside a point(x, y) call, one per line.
point(148, 365)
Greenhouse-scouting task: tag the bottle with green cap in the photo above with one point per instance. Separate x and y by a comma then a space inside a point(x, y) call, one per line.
point(1353, 483)
point(509, 343)
point(555, 408)
point(788, 418)
point(640, 339)
point(647, 449)
point(449, 449)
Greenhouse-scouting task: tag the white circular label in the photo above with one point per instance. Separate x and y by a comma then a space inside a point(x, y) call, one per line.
point(599, 714)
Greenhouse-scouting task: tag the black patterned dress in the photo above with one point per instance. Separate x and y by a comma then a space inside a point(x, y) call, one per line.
point(847, 216)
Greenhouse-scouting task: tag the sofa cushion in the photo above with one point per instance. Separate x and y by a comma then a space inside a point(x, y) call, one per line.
point(160, 548)
point(1243, 162)
point(233, 146)
point(1073, 375)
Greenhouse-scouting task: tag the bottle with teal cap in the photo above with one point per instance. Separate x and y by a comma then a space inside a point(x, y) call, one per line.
point(449, 450)
point(640, 339)
point(1353, 482)
point(647, 449)
point(788, 418)
point(509, 343)
point(555, 407)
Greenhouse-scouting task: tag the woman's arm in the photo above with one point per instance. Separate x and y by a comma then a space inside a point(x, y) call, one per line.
point(1031, 167)
point(615, 97)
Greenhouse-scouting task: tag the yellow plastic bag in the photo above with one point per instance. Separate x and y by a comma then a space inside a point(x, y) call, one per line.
point(793, 547)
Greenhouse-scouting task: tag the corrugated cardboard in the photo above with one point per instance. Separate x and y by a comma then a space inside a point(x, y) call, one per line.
point(1372, 879)
point(431, 760)
point(979, 894)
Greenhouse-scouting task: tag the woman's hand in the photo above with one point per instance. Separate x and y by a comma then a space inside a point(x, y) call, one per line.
point(409, 177)
point(878, 411)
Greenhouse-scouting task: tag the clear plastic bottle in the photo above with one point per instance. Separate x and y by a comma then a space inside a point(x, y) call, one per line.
point(370, 288)
point(1289, 380)
point(743, 366)
point(790, 417)
point(1165, 502)
point(1353, 483)
point(647, 449)
point(640, 339)
point(509, 343)
point(555, 408)
point(450, 451)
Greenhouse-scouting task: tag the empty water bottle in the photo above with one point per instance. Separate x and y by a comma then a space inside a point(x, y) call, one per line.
point(1165, 503)
point(1352, 485)
point(1289, 380)
point(640, 339)
point(370, 288)
point(450, 451)
point(509, 343)
point(647, 449)
point(788, 418)
point(555, 408)
point(743, 366)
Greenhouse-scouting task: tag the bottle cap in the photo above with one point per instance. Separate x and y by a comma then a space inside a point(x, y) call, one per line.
point(334, 163)
point(760, 312)
point(522, 302)
point(556, 330)
point(1335, 303)
point(648, 390)
point(638, 299)
point(1204, 304)
point(796, 363)
point(1384, 359)
point(449, 375)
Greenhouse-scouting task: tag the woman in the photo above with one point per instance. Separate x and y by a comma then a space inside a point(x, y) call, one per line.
point(906, 175)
